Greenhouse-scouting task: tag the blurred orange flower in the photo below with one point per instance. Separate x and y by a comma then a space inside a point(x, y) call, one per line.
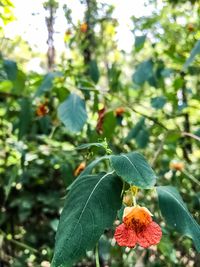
point(42, 110)
point(80, 168)
point(177, 166)
point(84, 27)
point(137, 228)
point(119, 111)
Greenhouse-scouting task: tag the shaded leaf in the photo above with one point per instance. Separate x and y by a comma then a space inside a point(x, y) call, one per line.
point(47, 83)
point(158, 102)
point(94, 71)
point(25, 117)
point(177, 215)
point(143, 72)
point(72, 113)
point(195, 51)
point(85, 216)
point(134, 169)
point(139, 42)
point(11, 69)
point(88, 145)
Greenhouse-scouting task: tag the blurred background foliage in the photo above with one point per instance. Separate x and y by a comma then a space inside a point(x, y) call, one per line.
point(145, 100)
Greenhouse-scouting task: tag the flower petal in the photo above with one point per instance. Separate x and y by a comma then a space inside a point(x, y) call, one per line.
point(151, 235)
point(124, 236)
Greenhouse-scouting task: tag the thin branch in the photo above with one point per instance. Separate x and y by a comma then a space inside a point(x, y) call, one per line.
point(20, 244)
point(191, 135)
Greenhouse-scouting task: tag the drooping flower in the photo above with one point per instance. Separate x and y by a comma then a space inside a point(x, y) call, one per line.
point(80, 168)
point(137, 228)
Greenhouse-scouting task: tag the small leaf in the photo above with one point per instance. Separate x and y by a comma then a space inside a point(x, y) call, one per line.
point(94, 71)
point(143, 72)
point(89, 145)
point(177, 215)
point(134, 169)
point(47, 83)
point(142, 139)
point(158, 102)
point(72, 113)
point(135, 130)
point(139, 42)
point(109, 124)
point(11, 69)
point(90, 207)
point(25, 117)
point(195, 51)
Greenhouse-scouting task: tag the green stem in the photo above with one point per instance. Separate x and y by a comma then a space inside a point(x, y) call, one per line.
point(191, 177)
point(20, 244)
point(97, 255)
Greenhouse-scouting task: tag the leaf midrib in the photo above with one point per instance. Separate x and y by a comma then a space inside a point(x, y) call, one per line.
point(86, 203)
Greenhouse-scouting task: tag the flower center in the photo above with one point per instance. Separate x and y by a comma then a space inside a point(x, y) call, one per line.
point(137, 218)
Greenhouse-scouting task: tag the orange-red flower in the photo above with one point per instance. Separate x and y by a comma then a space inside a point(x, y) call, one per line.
point(84, 27)
point(42, 110)
point(137, 228)
point(177, 166)
point(119, 111)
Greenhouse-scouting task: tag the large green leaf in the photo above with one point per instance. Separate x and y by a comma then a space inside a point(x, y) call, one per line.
point(177, 215)
point(195, 51)
point(134, 169)
point(72, 113)
point(90, 207)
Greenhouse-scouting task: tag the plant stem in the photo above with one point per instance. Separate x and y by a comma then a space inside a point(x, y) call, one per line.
point(97, 255)
point(20, 244)
point(191, 177)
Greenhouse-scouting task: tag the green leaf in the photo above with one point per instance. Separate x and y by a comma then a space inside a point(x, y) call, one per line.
point(158, 102)
point(25, 117)
point(11, 69)
point(90, 167)
point(140, 133)
point(177, 215)
point(72, 113)
point(89, 145)
point(6, 86)
point(139, 42)
point(109, 124)
point(134, 169)
point(135, 130)
point(142, 139)
point(195, 51)
point(90, 207)
point(94, 71)
point(47, 83)
point(143, 72)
